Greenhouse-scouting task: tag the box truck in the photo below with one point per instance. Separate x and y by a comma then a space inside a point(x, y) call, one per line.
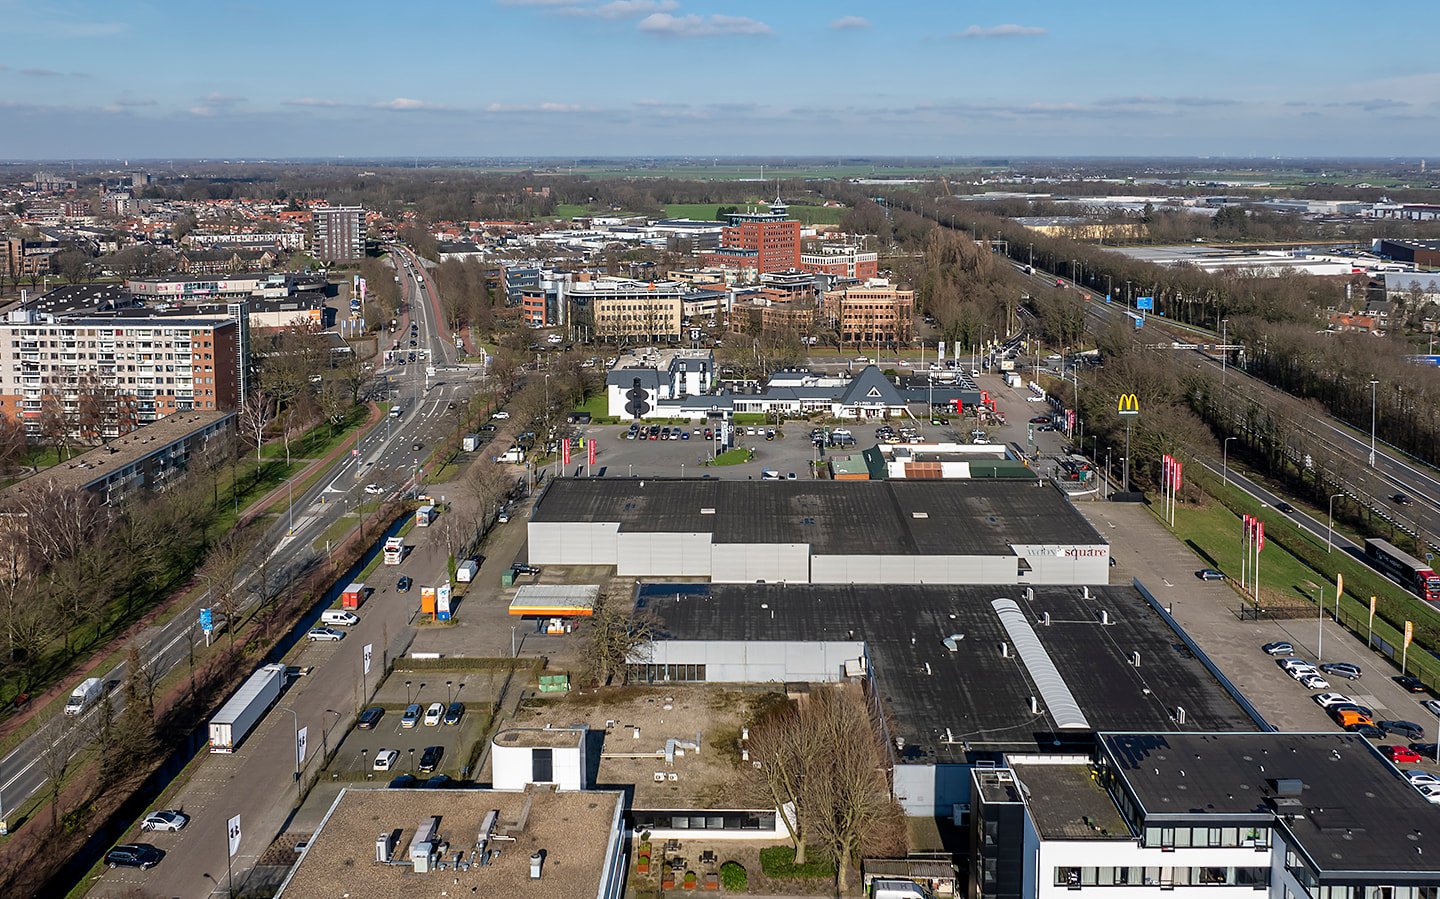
point(84, 696)
point(394, 550)
point(470, 442)
point(353, 596)
point(245, 709)
point(424, 515)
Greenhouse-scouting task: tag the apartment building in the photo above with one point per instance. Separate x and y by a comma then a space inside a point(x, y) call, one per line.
point(24, 258)
point(338, 233)
point(622, 310)
point(144, 368)
point(873, 313)
point(842, 261)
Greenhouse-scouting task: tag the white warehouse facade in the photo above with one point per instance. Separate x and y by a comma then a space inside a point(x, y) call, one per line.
point(820, 532)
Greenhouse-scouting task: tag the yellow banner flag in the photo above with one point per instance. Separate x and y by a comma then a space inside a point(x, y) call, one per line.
point(1409, 633)
point(1339, 584)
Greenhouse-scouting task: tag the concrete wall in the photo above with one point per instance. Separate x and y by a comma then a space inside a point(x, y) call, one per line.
point(511, 767)
point(897, 569)
point(1066, 564)
point(740, 662)
point(572, 543)
point(662, 554)
point(746, 563)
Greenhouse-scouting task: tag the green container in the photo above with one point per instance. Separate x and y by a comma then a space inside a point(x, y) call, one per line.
point(554, 683)
point(507, 578)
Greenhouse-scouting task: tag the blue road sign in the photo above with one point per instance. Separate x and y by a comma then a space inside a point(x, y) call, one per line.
point(1107, 297)
point(1139, 320)
point(207, 620)
point(1144, 302)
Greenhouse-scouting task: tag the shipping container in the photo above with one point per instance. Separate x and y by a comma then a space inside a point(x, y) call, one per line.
point(245, 709)
point(354, 596)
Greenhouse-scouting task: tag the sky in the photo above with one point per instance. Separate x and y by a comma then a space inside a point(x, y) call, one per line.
point(828, 78)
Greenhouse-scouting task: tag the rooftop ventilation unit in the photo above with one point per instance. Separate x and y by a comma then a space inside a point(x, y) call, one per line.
point(537, 861)
point(952, 642)
point(385, 847)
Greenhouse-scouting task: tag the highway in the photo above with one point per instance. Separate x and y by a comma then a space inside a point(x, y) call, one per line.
point(384, 455)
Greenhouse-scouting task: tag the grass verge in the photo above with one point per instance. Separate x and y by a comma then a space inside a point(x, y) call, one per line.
point(779, 861)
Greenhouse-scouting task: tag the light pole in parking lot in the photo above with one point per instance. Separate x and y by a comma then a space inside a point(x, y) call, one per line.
point(1225, 460)
point(407, 692)
point(325, 736)
point(1330, 521)
point(295, 750)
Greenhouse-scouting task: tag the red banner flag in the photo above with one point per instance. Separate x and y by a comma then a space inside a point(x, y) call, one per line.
point(591, 449)
point(565, 452)
point(1259, 534)
point(1178, 467)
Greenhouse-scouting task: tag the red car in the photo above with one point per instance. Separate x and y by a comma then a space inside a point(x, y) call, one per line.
point(1400, 755)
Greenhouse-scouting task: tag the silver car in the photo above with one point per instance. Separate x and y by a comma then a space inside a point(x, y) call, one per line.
point(167, 819)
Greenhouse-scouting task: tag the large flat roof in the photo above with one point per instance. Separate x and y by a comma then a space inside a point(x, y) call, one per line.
point(1354, 811)
point(573, 829)
point(978, 695)
point(957, 517)
point(103, 461)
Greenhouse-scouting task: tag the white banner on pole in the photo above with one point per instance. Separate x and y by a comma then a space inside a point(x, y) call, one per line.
point(369, 649)
point(300, 746)
point(233, 831)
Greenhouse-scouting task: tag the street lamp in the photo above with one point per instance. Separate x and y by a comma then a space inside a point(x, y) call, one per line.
point(1330, 522)
point(1373, 382)
point(325, 736)
point(449, 696)
point(407, 692)
point(295, 750)
point(1225, 459)
point(1223, 351)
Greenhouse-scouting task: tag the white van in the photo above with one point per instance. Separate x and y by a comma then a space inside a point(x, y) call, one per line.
point(397, 411)
point(770, 474)
point(895, 888)
point(340, 617)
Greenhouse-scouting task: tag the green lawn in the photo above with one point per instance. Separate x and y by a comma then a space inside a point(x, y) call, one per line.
point(598, 406)
point(817, 215)
point(779, 861)
point(732, 457)
point(571, 210)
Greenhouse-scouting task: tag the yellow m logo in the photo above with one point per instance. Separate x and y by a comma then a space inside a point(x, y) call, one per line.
point(1129, 404)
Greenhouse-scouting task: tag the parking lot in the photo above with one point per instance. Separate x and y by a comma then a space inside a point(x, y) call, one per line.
point(355, 757)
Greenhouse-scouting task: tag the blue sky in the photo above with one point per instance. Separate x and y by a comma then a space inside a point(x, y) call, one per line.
point(714, 77)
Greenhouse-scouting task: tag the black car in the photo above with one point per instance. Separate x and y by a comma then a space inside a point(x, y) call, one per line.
point(439, 781)
point(1407, 729)
point(430, 758)
point(1410, 683)
point(133, 855)
point(1368, 730)
point(1284, 507)
point(403, 585)
point(370, 717)
point(520, 568)
point(1400, 499)
point(404, 780)
point(453, 713)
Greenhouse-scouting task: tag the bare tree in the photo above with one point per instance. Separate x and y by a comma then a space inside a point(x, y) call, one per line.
point(223, 569)
point(788, 754)
point(255, 416)
point(617, 634)
point(56, 753)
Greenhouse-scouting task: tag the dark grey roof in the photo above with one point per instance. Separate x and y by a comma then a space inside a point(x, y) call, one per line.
point(871, 388)
point(1355, 813)
point(82, 299)
point(980, 695)
point(625, 377)
point(951, 517)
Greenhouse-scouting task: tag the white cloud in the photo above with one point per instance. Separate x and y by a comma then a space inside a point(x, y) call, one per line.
point(534, 2)
point(665, 24)
point(621, 9)
point(847, 23)
point(1011, 30)
point(315, 102)
point(533, 107)
point(406, 104)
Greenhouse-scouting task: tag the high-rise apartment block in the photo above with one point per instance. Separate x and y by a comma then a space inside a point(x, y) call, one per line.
point(339, 233)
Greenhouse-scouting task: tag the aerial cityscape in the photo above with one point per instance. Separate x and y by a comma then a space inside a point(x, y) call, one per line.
point(640, 449)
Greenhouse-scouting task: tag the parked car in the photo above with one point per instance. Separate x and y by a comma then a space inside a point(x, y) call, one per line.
point(1417, 776)
point(504, 516)
point(1352, 706)
point(374, 489)
point(1409, 683)
point(1430, 706)
point(1278, 648)
point(133, 855)
point(324, 635)
point(1313, 682)
point(1326, 700)
point(1407, 729)
point(1342, 669)
point(370, 717)
point(520, 568)
point(438, 782)
point(1431, 792)
point(1210, 574)
point(453, 713)
point(1400, 755)
point(385, 759)
point(430, 758)
point(404, 780)
point(1369, 731)
point(501, 415)
point(1040, 420)
point(167, 819)
point(433, 714)
point(412, 715)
